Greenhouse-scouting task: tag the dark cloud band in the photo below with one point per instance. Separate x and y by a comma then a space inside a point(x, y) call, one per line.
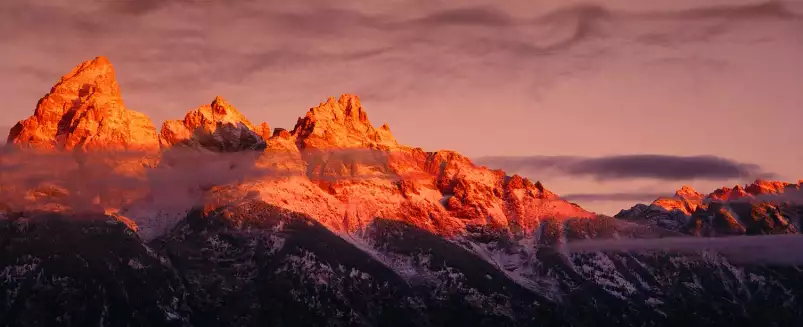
point(604, 197)
point(662, 167)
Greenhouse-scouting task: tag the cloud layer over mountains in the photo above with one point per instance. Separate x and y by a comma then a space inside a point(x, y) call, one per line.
point(512, 78)
point(661, 167)
point(174, 182)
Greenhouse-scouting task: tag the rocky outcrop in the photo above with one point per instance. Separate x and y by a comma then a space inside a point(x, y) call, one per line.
point(755, 209)
point(687, 192)
point(85, 111)
point(763, 187)
point(217, 126)
point(341, 123)
point(263, 130)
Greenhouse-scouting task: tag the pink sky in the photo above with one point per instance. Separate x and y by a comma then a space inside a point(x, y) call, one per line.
point(486, 78)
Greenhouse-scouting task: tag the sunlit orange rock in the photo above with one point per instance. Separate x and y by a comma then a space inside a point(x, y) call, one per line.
point(85, 111)
point(340, 123)
point(217, 126)
point(334, 165)
point(263, 130)
point(760, 186)
point(751, 210)
point(687, 192)
point(366, 170)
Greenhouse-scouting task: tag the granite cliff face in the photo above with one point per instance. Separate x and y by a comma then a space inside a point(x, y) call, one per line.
point(332, 223)
point(85, 111)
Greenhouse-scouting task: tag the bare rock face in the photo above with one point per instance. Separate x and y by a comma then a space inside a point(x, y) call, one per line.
point(85, 111)
point(217, 126)
point(340, 123)
point(755, 209)
point(263, 130)
point(362, 173)
point(760, 187)
point(686, 200)
point(727, 193)
point(687, 192)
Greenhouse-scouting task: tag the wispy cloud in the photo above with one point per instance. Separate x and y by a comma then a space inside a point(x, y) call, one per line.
point(177, 179)
point(622, 167)
point(479, 16)
point(605, 197)
point(767, 249)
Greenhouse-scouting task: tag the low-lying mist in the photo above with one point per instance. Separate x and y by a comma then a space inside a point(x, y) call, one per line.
point(173, 179)
point(179, 179)
point(763, 249)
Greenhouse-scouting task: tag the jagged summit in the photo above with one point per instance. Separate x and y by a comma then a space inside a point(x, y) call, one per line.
point(215, 126)
point(85, 111)
point(263, 130)
point(760, 186)
point(98, 72)
point(222, 111)
point(749, 209)
point(757, 188)
point(686, 191)
point(727, 193)
point(334, 166)
point(341, 123)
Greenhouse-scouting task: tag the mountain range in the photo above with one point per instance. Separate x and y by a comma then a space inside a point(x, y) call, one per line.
point(213, 220)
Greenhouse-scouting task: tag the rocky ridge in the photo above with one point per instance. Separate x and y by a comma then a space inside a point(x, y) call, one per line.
point(218, 127)
point(334, 165)
point(762, 207)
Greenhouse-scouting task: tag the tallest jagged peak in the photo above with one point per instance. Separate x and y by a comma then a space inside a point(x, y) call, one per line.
point(99, 65)
point(350, 101)
point(85, 110)
point(221, 107)
point(340, 123)
point(96, 74)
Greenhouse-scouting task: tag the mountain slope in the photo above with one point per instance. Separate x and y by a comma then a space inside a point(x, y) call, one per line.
point(254, 264)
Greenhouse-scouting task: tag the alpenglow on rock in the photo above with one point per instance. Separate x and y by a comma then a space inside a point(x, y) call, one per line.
point(217, 126)
point(763, 207)
point(334, 166)
point(85, 111)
